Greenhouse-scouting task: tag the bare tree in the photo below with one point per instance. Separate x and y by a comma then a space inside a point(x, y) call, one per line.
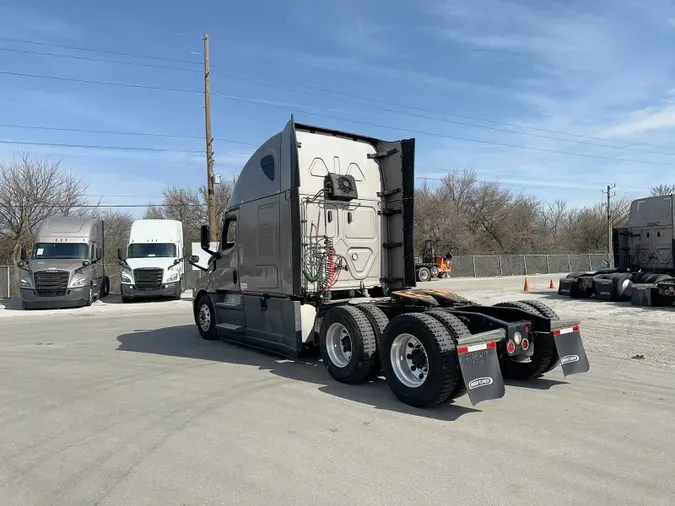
point(662, 189)
point(189, 205)
point(117, 228)
point(30, 190)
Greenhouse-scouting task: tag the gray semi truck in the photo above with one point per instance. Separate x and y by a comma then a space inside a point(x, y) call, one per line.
point(316, 255)
point(66, 266)
point(643, 259)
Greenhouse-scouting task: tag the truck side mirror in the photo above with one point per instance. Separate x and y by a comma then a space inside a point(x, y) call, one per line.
point(99, 254)
point(194, 260)
point(24, 256)
point(119, 254)
point(205, 238)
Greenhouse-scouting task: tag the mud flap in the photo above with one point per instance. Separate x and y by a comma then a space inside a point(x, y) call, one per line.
point(571, 350)
point(642, 295)
point(604, 288)
point(479, 364)
point(565, 286)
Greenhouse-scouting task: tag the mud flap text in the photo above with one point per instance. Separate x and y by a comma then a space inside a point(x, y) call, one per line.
point(481, 372)
point(571, 351)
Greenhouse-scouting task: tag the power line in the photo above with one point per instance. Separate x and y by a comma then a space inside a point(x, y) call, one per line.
point(106, 206)
point(335, 99)
point(370, 100)
point(92, 59)
point(224, 140)
point(446, 136)
point(89, 146)
point(100, 51)
point(274, 106)
point(121, 132)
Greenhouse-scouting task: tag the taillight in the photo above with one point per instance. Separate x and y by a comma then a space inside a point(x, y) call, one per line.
point(525, 344)
point(510, 347)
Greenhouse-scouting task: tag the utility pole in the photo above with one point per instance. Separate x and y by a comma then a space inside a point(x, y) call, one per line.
point(209, 142)
point(609, 194)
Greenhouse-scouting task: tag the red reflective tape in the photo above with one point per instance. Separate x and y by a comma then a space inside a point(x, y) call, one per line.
point(491, 345)
point(575, 328)
point(556, 332)
point(463, 349)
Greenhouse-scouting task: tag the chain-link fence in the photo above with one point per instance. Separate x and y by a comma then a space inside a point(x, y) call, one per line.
point(522, 265)
point(462, 266)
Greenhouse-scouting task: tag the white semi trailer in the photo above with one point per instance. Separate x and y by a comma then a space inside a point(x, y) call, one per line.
point(316, 251)
point(153, 267)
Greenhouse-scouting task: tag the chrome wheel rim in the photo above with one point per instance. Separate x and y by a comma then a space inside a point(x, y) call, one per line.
point(409, 360)
point(204, 317)
point(338, 345)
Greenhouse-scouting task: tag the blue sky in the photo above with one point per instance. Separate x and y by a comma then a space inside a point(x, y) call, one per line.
point(596, 69)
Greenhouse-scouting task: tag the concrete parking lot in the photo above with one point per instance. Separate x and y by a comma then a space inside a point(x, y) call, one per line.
point(126, 404)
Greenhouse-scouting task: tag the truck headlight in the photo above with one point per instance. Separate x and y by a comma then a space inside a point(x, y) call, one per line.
point(26, 283)
point(172, 277)
point(78, 282)
point(126, 277)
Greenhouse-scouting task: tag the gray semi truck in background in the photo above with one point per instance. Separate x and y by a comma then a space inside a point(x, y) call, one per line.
point(316, 253)
point(644, 265)
point(66, 266)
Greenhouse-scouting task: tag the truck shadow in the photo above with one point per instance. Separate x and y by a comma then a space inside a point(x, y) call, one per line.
point(11, 305)
point(184, 341)
point(537, 384)
point(116, 299)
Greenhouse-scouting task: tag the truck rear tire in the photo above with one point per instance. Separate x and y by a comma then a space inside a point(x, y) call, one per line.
point(544, 349)
point(205, 318)
point(546, 312)
point(434, 272)
point(418, 356)
point(347, 344)
point(378, 321)
point(423, 274)
point(457, 330)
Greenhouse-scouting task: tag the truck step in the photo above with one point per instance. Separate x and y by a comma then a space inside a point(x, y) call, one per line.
point(228, 327)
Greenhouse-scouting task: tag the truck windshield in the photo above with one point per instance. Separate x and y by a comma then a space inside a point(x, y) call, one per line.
point(151, 250)
point(60, 250)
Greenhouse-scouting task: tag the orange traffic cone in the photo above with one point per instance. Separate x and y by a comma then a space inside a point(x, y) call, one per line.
point(551, 285)
point(527, 285)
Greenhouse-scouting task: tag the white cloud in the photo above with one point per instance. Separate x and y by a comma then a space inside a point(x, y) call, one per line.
point(643, 121)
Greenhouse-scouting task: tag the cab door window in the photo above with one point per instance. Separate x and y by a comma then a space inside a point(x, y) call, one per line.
point(229, 235)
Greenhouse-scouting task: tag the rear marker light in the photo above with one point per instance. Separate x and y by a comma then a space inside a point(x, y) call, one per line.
point(567, 330)
point(476, 347)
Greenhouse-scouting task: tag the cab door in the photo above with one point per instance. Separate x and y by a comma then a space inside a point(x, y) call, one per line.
point(229, 302)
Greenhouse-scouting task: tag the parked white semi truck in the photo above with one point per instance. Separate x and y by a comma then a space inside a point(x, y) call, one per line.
point(67, 265)
point(153, 267)
point(316, 251)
